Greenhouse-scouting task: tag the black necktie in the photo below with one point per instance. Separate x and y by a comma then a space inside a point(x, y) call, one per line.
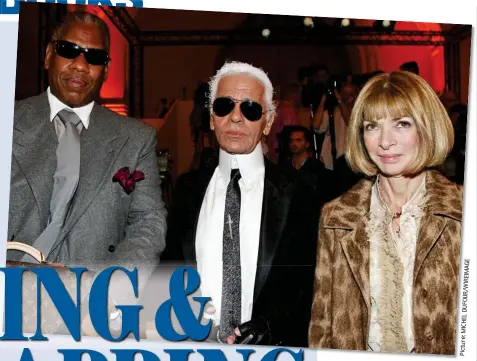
point(231, 310)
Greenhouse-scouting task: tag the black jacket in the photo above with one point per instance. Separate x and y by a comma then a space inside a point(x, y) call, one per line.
point(287, 250)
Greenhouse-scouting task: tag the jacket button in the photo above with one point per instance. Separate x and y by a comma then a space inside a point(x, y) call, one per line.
point(111, 248)
point(424, 293)
point(430, 337)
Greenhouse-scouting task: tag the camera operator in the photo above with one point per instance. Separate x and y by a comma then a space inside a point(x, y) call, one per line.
point(314, 83)
point(331, 118)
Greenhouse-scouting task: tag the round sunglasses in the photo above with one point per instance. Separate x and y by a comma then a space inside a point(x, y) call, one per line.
point(69, 50)
point(251, 110)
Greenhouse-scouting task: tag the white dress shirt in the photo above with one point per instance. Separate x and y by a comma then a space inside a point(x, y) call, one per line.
point(56, 106)
point(209, 235)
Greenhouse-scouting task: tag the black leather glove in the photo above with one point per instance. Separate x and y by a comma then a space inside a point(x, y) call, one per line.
point(254, 332)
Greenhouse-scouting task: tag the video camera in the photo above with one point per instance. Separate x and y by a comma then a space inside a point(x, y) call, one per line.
point(328, 89)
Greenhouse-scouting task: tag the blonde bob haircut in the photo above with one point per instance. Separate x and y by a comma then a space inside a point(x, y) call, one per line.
point(396, 95)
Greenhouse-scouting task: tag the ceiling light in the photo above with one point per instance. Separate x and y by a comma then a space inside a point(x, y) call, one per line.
point(345, 22)
point(308, 22)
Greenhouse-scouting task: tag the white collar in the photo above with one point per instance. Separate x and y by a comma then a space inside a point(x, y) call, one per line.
point(56, 106)
point(250, 165)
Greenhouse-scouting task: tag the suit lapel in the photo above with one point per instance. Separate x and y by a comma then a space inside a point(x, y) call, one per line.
point(356, 249)
point(430, 230)
point(443, 203)
point(100, 145)
point(276, 204)
point(198, 191)
point(35, 143)
point(350, 216)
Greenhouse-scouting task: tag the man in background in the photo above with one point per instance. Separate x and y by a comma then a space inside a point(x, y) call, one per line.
point(311, 171)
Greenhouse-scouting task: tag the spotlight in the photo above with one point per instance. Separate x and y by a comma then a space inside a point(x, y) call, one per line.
point(387, 25)
point(266, 33)
point(308, 22)
point(345, 23)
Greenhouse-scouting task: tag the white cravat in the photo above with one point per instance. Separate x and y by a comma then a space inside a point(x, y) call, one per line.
point(210, 227)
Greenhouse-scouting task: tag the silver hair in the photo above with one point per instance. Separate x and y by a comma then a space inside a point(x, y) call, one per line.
point(87, 18)
point(235, 68)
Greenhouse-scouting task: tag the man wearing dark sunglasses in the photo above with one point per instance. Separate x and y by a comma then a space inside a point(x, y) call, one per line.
point(242, 225)
point(77, 62)
point(85, 185)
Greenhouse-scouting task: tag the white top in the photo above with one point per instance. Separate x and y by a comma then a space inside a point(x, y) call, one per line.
point(392, 256)
point(209, 235)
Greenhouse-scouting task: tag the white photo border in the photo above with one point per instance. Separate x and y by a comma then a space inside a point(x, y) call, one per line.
point(405, 10)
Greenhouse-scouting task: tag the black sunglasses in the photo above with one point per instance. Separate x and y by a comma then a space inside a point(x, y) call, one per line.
point(251, 110)
point(68, 50)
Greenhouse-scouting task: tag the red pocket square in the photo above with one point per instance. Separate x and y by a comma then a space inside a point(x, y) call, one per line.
point(128, 180)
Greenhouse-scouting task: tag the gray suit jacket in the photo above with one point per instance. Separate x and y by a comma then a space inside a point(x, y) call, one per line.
point(104, 225)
